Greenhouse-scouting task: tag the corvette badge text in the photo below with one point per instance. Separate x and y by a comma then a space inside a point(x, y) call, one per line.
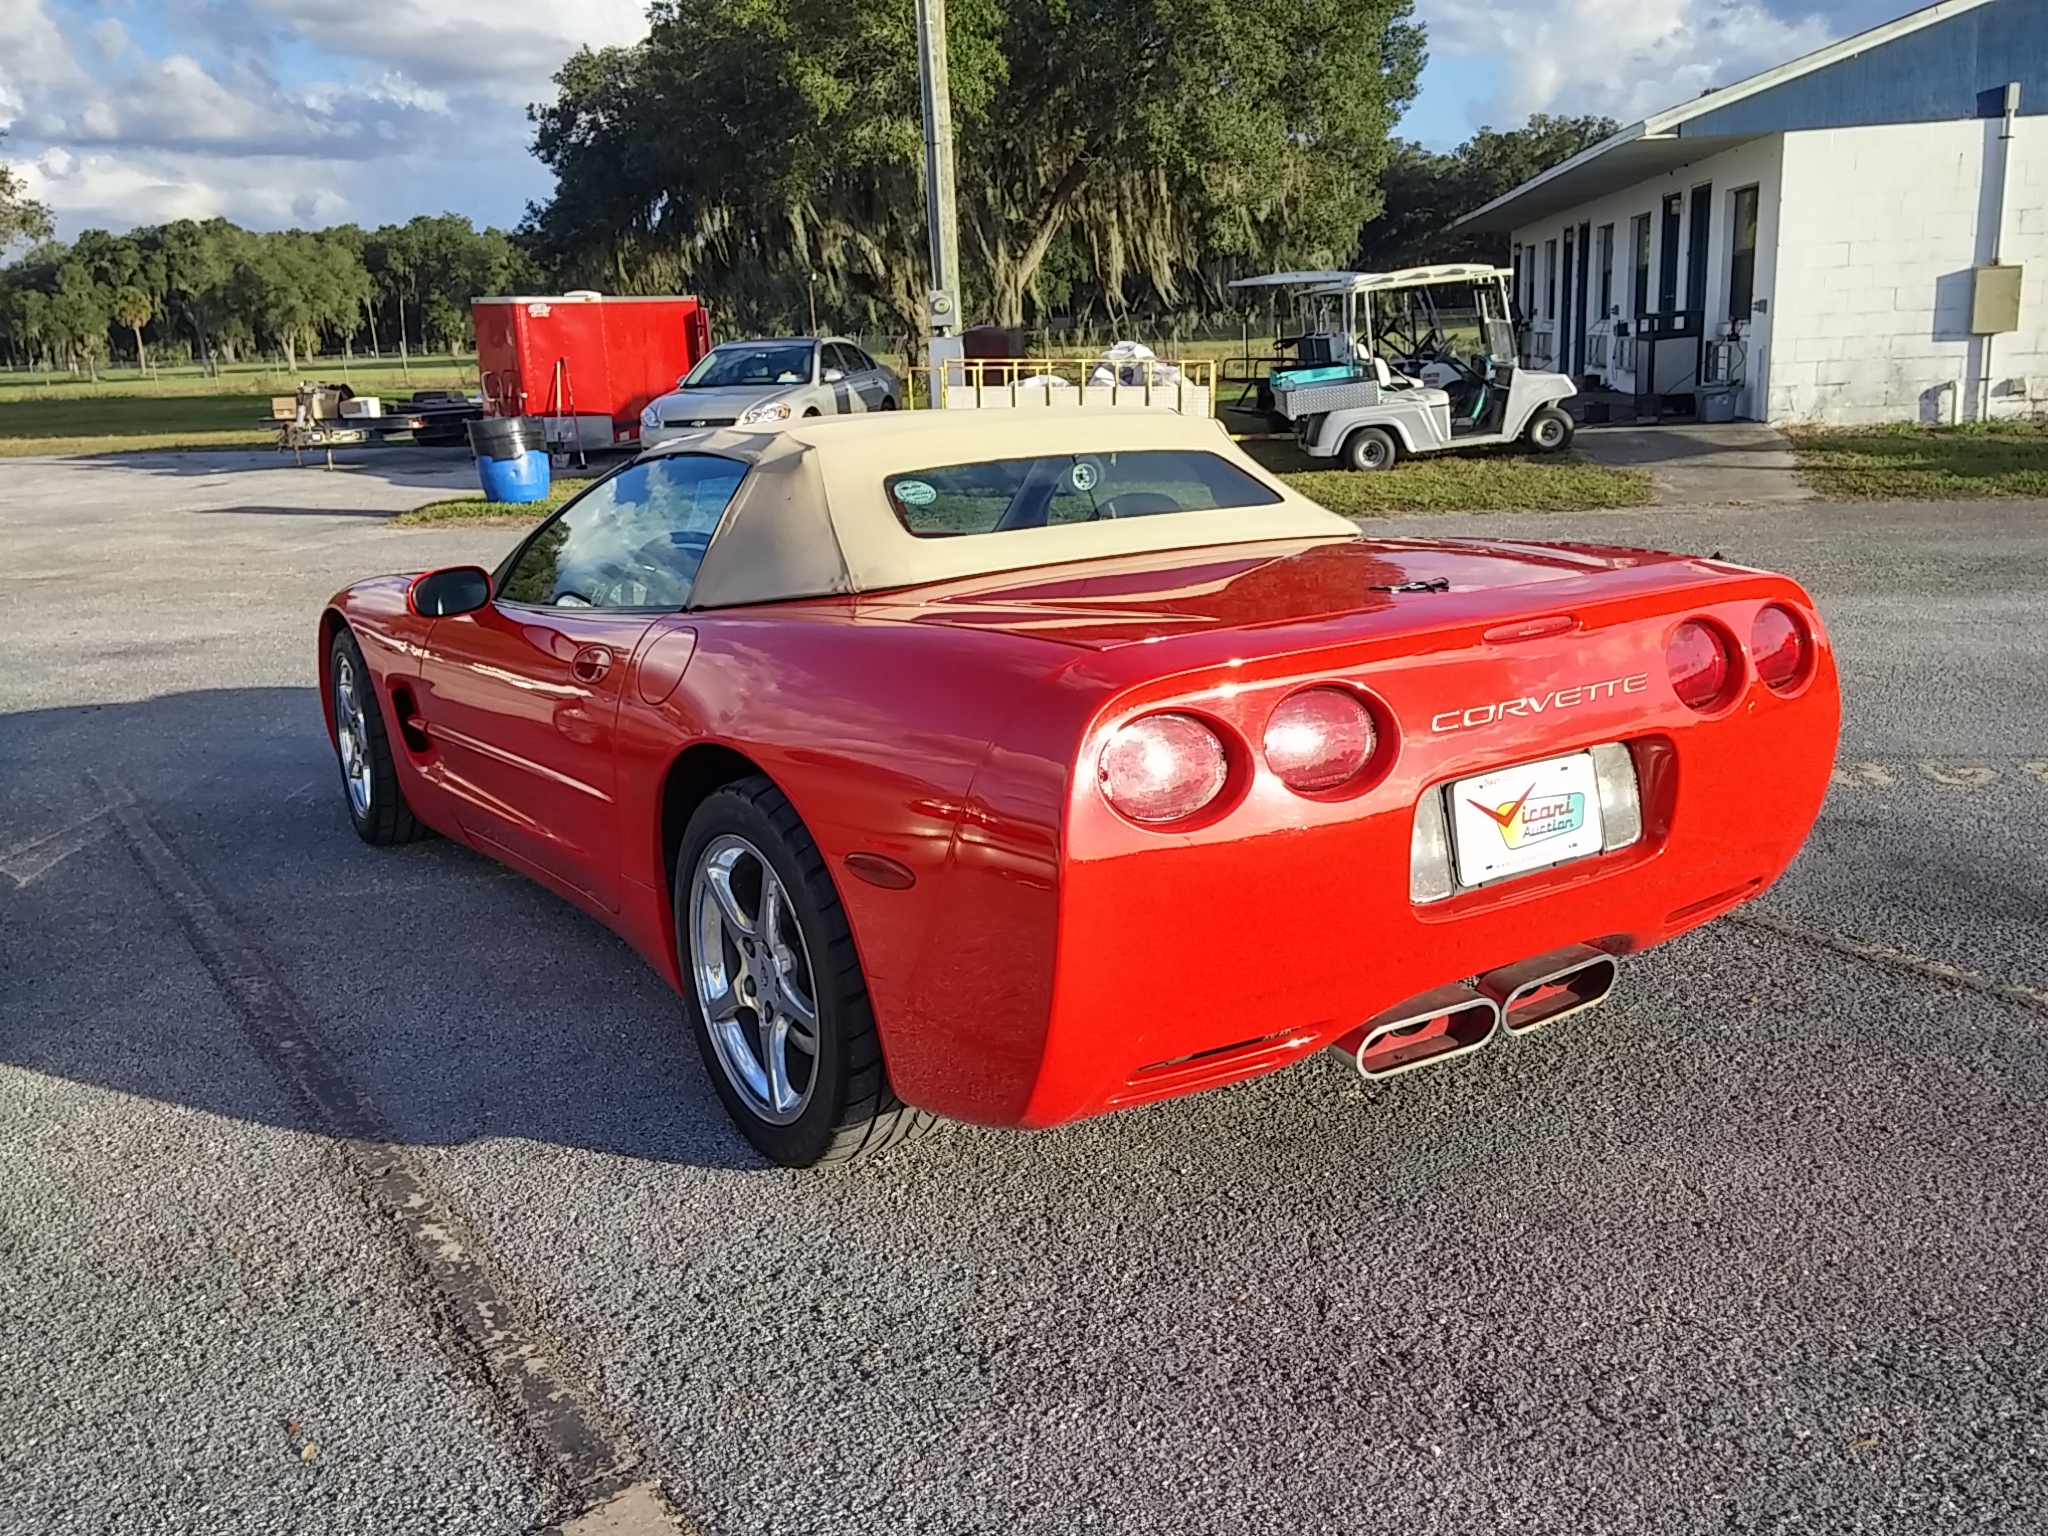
point(1557, 698)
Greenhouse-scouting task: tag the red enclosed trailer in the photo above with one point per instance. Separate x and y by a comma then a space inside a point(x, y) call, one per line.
point(585, 363)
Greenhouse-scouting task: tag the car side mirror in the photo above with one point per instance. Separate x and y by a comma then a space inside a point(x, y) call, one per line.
point(834, 375)
point(444, 594)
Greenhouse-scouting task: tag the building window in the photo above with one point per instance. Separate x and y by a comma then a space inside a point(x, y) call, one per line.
point(1606, 249)
point(1667, 254)
point(1550, 279)
point(1696, 248)
point(1742, 256)
point(1639, 237)
point(1515, 282)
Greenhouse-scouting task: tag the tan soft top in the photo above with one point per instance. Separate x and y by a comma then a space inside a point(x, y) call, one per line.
point(812, 518)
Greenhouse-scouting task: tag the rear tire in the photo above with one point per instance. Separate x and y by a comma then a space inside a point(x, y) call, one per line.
point(773, 988)
point(1550, 430)
point(1370, 449)
point(369, 777)
point(888, 402)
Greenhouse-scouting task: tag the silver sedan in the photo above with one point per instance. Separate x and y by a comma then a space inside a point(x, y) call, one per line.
point(767, 383)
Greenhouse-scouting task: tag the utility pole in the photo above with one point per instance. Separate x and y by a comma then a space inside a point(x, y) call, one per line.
point(944, 313)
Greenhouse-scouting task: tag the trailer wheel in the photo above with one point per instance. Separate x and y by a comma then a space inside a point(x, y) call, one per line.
point(1370, 448)
point(1550, 430)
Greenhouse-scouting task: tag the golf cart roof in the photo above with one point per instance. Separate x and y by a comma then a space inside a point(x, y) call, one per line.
point(1376, 282)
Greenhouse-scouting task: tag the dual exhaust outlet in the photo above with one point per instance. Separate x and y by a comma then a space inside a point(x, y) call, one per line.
point(1456, 1020)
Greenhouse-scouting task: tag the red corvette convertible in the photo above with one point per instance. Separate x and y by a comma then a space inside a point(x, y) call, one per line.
point(1020, 767)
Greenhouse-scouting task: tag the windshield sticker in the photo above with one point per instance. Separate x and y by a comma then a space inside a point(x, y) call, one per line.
point(1085, 476)
point(915, 493)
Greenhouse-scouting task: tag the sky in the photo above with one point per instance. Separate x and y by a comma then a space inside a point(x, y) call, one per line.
point(283, 113)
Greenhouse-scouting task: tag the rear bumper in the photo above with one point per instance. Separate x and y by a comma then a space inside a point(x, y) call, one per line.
point(1189, 964)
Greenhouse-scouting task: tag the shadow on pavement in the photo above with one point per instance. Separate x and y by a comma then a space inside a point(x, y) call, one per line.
point(400, 465)
point(464, 1001)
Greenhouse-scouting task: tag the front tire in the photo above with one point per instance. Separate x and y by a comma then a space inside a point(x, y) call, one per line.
point(1369, 450)
point(1550, 430)
point(369, 777)
point(888, 402)
point(773, 987)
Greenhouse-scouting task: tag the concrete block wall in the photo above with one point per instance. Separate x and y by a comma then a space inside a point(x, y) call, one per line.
point(1877, 231)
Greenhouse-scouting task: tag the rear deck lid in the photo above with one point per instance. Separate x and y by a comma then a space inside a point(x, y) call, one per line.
point(1112, 602)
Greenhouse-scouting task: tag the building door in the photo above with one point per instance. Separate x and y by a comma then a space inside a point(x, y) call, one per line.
point(1697, 247)
point(1638, 300)
point(1742, 256)
point(1667, 255)
point(1566, 315)
point(1585, 272)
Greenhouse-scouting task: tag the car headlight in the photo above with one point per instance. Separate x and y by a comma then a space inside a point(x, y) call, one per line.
point(774, 410)
point(650, 417)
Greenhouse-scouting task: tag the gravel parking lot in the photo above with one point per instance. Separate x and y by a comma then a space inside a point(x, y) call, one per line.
point(1758, 1246)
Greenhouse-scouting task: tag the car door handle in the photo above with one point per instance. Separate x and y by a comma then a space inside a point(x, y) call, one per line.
point(591, 664)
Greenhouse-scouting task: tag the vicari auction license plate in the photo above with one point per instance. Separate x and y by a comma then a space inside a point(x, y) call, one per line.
point(1513, 820)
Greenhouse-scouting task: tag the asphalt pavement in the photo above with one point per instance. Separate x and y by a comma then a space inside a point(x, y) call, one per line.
point(1758, 1246)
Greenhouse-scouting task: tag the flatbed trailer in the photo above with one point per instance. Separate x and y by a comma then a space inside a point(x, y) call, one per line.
point(315, 418)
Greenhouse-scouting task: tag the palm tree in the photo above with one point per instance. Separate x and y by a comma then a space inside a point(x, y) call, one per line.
point(134, 309)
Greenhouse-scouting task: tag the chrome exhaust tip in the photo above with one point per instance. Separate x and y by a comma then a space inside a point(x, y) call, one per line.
point(1550, 987)
point(1438, 1026)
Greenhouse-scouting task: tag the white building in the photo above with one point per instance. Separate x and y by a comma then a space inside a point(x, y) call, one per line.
point(1814, 235)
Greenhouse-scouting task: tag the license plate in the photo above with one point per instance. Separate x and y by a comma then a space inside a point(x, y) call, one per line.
point(1513, 820)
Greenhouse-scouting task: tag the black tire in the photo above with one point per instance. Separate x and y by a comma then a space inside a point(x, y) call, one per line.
point(381, 817)
point(888, 402)
point(811, 410)
point(849, 1110)
point(1550, 430)
point(1370, 449)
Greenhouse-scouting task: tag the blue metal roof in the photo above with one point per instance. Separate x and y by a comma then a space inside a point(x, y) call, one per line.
point(1957, 67)
point(1951, 60)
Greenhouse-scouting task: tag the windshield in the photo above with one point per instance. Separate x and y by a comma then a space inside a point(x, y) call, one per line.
point(767, 363)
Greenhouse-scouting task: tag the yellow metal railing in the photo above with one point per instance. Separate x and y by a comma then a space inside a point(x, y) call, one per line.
point(978, 383)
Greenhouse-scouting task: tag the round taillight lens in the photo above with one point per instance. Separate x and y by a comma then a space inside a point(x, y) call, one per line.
point(1319, 738)
point(1700, 663)
point(1163, 768)
point(1779, 648)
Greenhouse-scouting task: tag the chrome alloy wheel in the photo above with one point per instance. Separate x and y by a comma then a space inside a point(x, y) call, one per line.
point(351, 735)
point(752, 972)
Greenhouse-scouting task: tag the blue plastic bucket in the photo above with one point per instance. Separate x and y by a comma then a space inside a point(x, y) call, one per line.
point(525, 478)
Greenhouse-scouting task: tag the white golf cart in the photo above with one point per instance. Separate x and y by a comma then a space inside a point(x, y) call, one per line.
point(1388, 364)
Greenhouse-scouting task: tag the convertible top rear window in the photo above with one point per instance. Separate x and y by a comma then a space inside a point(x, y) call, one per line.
point(1002, 495)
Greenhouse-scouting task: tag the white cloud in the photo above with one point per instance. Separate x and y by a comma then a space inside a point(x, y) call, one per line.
point(1624, 58)
point(284, 112)
point(507, 49)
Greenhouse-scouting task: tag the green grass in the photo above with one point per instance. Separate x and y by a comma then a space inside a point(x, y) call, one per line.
point(474, 509)
point(183, 408)
point(127, 423)
point(1499, 480)
point(366, 377)
point(1909, 463)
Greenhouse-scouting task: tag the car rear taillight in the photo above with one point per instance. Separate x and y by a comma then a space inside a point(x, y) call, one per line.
point(1163, 768)
point(1701, 662)
point(1319, 739)
point(1780, 648)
